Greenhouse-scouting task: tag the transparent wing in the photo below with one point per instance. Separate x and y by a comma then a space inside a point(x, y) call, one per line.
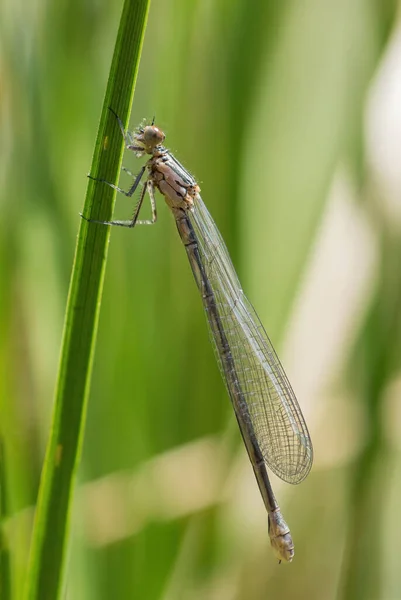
point(276, 418)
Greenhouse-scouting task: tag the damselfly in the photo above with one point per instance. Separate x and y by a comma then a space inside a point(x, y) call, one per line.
point(267, 411)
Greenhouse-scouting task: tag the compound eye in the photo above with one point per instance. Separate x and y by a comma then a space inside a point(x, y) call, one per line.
point(153, 136)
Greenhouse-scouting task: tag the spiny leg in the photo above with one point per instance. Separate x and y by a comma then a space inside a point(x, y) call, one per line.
point(151, 191)
point(128, 138)
point(127, 135)
point(130, 173)
point(132, 189)
point(134, 221)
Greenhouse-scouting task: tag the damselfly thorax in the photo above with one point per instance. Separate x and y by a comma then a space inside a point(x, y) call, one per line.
point(174, 182)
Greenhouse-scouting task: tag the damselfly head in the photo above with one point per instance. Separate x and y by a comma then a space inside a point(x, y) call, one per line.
point(149, 137)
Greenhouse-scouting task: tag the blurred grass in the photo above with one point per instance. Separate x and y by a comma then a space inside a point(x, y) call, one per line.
point(376, 360)
point(263, 105)
point(5, 562)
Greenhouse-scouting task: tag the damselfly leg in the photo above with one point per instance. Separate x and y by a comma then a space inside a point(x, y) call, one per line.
point(149, 186)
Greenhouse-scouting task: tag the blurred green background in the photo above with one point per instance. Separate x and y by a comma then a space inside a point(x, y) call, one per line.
point(288, 115)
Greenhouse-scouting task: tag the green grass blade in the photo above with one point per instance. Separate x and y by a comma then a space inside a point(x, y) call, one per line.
point(5, 566)
point(50, 534)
